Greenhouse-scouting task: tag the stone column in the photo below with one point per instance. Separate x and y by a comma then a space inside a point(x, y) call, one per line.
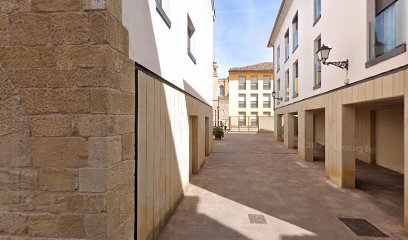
point(306, 135)
point(406, 152)
point(68, 120)
point(348, 144)
point(278, 128)
point(289, 130)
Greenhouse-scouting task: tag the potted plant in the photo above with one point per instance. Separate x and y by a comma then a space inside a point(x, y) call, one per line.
point(218, 133)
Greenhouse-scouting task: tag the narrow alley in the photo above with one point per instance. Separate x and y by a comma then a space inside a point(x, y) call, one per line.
point(253, 178)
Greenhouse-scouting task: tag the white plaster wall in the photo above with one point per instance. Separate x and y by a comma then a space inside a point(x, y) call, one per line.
point(344, 27)
point(164, 51)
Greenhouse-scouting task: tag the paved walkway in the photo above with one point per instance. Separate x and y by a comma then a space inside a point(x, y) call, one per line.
point(252, 174)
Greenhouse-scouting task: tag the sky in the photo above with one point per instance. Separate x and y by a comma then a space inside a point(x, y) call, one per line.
point(241, 32)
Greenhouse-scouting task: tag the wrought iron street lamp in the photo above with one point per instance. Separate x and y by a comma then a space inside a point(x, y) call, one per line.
point(324, 53)
point(274, 96)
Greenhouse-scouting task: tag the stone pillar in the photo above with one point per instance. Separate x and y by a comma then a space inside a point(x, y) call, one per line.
point(67, 115)
point(278, 128)
point(348, 145)
point(306, 135)
point(289, 131)
point(406, 152)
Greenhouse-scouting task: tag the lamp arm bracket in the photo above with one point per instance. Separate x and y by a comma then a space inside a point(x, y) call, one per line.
point(340, 64)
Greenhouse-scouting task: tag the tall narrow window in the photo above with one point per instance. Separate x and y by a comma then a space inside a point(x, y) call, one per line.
point(190, 39)
point(267, 100)
point(317, 10)
point(242, 101)
point(266, 82)
point(163, 8)
point(242, 118)
point(254, 100)
point(287, 53)
point(222, 91)
point(278, 59)
point(254, 119)
point(241, 83)
point(317, 65)
point(295, 79)
point(278, 90)
point(287, 85)
point(295, 27)
point(254, 83)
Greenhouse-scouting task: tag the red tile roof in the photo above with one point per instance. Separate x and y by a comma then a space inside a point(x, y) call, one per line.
point(260, 67)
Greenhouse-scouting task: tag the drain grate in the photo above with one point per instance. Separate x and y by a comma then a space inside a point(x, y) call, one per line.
point(363, 228)
point(257, 219)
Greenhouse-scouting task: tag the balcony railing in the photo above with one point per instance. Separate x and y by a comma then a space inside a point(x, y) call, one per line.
point(242, 104)
point(254, 104)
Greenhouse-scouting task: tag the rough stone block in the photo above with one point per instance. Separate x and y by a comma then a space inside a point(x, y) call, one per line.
point(98, 27)
point(43, 225)
point(7, 89)
point(12, 119)
point(128, 146)
point(102, 125)
point(4, 24)
point(96, 225)
point(20, 5)
point(44, 77)
point(83, 56)
point(29, 179)
point(17, 156)
point(28, 57)
point(104, 151)
point(63, 180)
point(29, 29)
point(9, 197)
point(59, 152)
point(92, 180)
point(50, 125)
point(56, 5)
point(123, 40)
point(121, 63)
point(92, 77)
point(121, 174)
point(13, 223)
point(114, 7)
point(86, 203)
point(112, 101)
point(9, 179)
point(72, 226)
point(69, 28)
point(37, 101)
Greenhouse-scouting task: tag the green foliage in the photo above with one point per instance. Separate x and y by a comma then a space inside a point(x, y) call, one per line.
point(218, 132)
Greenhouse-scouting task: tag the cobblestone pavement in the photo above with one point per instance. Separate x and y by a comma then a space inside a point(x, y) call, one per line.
point(253, 174)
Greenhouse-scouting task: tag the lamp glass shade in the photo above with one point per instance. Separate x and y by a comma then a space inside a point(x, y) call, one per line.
point(273, 94)
point(323, 53)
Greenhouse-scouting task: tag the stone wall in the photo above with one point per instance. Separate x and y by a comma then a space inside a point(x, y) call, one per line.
point(66, 120)
point(167, 152)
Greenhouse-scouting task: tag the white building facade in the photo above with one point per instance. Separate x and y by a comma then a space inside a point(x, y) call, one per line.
point(354, 113)
point(172, 45)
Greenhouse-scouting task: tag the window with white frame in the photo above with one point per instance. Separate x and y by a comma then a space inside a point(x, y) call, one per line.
point(287, 49)
point(295, 79)
point(287, 85)
point(242, 118)
point(254, 100)
point(242, 83)
point(278, 59)
point(242, 101)
point(317, 64)
point(317, 10)
point(190, 39)
point(163, 8)
point(254, 119)
point(267, 100)
point(295, 27)
point(254, 83)
point(266, 82)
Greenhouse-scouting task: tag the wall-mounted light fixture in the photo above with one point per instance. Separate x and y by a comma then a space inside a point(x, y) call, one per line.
point(324, 53)
point(274, 96)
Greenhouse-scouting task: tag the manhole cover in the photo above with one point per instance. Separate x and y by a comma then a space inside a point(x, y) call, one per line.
point(362, 227)
point(257, 219)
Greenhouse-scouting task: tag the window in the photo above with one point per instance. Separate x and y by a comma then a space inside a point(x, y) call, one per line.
point(295, 79)
point(287, 46)
point(317, 65)
point(190, 39)
point(278, 90)
point(242, 118)
point(254, 83)
point(287, 86)
point(241, 101)
point(254, 100)
point(222, 91)
point(317, 10)
point(241, 83)
point(267, 100)
point(387, 29)
point(267, 114)
point(295, 27)
point(254, 119)
point(266, 82)
point(163, 8)
point(278, 59)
